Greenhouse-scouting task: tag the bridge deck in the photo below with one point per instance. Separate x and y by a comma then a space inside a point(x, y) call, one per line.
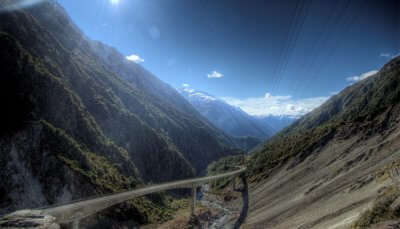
point(80, 209)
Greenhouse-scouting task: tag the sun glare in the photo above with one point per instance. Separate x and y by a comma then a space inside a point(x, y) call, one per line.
point(114, 2)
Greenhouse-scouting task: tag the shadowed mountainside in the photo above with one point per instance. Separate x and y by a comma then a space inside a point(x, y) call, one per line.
point(78, 119)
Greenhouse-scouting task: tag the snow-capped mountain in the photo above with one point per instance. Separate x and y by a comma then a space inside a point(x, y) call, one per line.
point(233, 120)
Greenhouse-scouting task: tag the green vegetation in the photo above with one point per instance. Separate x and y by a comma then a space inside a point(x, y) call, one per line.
point(364, 109)
point(69, 134)
point(299, 144)
point(80, 122)
point(225, 164)
point(381, 210)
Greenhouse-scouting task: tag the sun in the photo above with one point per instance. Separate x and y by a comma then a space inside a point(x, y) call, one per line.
point(114, 2)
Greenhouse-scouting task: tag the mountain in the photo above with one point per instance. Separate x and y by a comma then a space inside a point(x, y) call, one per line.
point(277, 123)
point(78, 119)
point(230, 119)
point(330, 166)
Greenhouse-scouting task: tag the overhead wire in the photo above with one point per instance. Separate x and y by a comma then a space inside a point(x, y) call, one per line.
point(315, 53)
point(335, 45)
point(331, 52)
point(291, 30)
point(283, 50)
point(293, 44)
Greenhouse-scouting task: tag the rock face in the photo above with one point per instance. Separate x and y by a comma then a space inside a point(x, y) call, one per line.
point(326, 168)
point(28, 219)
point(76, 124)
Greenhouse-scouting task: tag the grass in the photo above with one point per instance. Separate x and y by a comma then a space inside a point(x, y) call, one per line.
point(380, 210)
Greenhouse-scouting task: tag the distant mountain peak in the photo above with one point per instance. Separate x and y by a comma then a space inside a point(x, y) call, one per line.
point(232, 119)
point(190, 92)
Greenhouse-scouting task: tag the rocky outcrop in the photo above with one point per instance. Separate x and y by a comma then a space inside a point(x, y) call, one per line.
point(28, 219)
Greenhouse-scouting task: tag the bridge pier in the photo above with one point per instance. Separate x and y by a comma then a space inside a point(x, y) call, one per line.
point(75, 224)
point(194, 198)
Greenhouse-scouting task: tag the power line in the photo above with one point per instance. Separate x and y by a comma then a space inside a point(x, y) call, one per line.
point(332, 23)
point(281, 56)
point(354, 18)
point(287, 44)
point(304, 15)
point(333, 47)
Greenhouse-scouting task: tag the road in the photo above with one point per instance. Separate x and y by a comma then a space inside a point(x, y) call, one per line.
point(77, 210)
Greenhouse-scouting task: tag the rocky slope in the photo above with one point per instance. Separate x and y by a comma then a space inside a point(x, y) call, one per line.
point(76, 123)
point(328, 167)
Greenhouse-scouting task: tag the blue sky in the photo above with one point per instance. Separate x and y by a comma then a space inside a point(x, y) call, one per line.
point(267, 57)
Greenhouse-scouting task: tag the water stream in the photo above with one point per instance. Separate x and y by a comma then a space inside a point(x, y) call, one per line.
point(222, 220)
point(229, 216)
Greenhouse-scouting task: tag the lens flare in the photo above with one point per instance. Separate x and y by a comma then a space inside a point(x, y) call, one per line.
point(114, 2)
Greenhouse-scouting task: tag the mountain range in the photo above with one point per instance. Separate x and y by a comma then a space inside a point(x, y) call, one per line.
point(78, 119)
point(233, 120)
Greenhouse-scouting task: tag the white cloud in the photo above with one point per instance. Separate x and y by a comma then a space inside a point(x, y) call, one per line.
point(185, 85)
point(215, 74)
point(135, 58)
point(276, 105)
point(389, 55)
point(362, 76)
point(187, 89)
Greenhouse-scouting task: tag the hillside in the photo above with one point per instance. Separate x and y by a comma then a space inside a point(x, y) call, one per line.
point(328, 168)
point(76, 124)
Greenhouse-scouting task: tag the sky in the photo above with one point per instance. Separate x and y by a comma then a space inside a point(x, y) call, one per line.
point(279, 57)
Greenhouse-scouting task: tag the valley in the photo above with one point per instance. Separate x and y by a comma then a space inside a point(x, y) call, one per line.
point(90, 137)
point(74, 128)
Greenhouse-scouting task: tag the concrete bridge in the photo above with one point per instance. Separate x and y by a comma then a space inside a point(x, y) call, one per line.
point(75, 211)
